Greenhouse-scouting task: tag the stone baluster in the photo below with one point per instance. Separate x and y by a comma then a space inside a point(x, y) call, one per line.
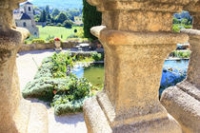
point(183, 100)
point(10, 40)
point(137, 39)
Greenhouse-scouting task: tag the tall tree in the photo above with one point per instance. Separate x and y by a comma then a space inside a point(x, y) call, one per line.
point(55, 12)
point(48, 16)
point(91, 17)
point(61, 17)
point(43, 16)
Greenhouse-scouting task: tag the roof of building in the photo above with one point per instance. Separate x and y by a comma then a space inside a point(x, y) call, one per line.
point(28, 3)
point(21, 16)
point(25, 16)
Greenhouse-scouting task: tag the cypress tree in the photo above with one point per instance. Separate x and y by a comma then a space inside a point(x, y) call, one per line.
point(91, 17)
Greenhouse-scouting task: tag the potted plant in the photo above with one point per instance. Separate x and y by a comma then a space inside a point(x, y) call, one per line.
point(57, 43)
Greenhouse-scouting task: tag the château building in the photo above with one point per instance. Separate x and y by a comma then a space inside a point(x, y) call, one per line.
point(24, 17)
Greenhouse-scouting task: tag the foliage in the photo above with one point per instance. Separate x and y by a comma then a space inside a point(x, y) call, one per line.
point(91, 17)
point(67, 24)
point(60, 61)
point(181, 53)
point(50, 38)
point(72, 13)
point(71, 97)
point(184, 15)
point(41, 41)
point(55, 12)
point(178, 27)
point(51, 83)
point(79, 33)
point(29, 39)
point(98, 56)
point(43, 17)
point(61, 17)
point(182, 20)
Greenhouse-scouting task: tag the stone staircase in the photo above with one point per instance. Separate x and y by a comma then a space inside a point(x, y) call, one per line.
point(33, 117)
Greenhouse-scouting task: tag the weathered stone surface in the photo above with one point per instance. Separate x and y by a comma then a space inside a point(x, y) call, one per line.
point(6, 13)
point(134, 15)
point(183, 107)
point(9, 79)
point(133, 67)
point(31, 47)
point(183, 100)
point(194, 10)
point(136, 40)
point(10, 40)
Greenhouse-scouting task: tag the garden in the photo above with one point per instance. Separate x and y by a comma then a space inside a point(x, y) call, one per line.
point(55, 83)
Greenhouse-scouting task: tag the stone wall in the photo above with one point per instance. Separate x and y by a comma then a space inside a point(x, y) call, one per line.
point(36, 46)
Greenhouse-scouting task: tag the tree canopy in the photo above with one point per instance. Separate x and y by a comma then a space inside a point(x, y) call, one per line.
point(61, 17)
point(91, 17)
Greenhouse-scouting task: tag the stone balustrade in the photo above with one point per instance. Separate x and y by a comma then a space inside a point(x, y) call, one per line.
point(10, 40)
point(137, 37)
point(183, 100)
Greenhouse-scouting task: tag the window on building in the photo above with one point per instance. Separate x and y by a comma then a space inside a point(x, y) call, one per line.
point(24, 24)
point(29, 8)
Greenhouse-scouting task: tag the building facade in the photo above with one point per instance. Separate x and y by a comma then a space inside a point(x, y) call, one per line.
point(24, 17)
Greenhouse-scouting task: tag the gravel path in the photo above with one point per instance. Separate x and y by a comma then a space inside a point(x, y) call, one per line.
point(27, 63)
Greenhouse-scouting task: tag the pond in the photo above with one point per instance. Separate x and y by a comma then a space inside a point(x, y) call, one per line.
point(177, 64)
point(94, 73)
point(173, 71)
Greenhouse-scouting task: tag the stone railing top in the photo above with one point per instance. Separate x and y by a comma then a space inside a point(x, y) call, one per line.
point(191, 31)
point(113, 37)
point(139, 15)
point(153, 5)
point(96, 30)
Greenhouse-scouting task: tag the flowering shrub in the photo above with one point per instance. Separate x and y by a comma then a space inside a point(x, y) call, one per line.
point(56, 39)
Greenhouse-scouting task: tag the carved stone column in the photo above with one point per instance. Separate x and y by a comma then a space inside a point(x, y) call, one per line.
point(183, 100)
point(10, 40)
point(137, 39)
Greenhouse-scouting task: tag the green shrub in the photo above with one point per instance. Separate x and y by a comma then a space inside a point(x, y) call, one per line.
point(59, 25)
point(176, 28)
point(41, 41)
point(66, 92)
point(97, 56)
point(67, 24)
point(68, 107)
point(188, 26)
point(181, 53)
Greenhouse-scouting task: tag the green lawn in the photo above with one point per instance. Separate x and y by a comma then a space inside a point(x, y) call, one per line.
point(53, 31)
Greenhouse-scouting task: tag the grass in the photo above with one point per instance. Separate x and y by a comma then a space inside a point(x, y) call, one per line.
point(53, 31)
